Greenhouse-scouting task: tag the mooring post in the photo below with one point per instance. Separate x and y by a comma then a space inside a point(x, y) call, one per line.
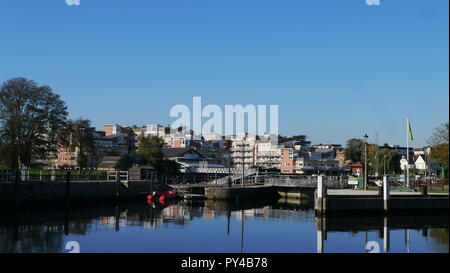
point(386, 189)
point(424, 190)
point(67, 187)
point(321, 195)
point(117, 185)
point(53, 175)
point(320, 233)
point(66, 221)
point(23, 176)
point(16, 186)
point(117, 218)
point(386, 235)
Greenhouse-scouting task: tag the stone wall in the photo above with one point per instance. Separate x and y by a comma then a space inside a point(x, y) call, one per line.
point(35, 191)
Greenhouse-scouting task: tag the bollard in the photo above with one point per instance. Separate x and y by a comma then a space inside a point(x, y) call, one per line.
point(424, 190)
point(386, 189)
point(23, 176)
point(53, 175)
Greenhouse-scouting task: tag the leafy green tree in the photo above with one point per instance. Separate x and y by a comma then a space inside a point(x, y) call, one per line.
point(125, 163)
point(354, 150)
point(301, 139)
point(440, 145)
point(167, 166)
point(32, 120)
point(439, 153)
point(151, 148)
point(389, 161)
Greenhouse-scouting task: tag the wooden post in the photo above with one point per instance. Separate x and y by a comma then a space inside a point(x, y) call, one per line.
point(67, 187)
point(117, 218)
point(16, 186)
point(117, 185)
point(66, 221)
point(424, 190)
point(386, 189)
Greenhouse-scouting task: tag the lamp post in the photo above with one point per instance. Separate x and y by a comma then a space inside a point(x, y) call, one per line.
point(243, 161)
point(365, 161)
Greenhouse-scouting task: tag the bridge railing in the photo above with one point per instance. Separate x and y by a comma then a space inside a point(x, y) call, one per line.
point(304, 181)
point(31, 175)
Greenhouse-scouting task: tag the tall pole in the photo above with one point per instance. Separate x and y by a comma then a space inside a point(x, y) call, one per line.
point(365, 162)
point(407, 152)
point(376, 166)
point(243, 161)
point(242, 231)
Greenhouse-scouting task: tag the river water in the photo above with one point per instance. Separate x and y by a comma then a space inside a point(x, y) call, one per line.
point(287, 226)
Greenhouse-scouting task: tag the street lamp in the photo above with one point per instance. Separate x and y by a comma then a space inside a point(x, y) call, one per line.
point(365, 161)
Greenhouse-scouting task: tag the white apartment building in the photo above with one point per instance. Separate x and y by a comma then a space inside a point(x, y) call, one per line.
point(155, 130)
point(243, 151)
point(268, 155)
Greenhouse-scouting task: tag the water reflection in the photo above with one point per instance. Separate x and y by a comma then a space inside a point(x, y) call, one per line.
point(283, 225)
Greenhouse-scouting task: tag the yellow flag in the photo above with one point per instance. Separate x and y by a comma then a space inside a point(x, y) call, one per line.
point(410, 130)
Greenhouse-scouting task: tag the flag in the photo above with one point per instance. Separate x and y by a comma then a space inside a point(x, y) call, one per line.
point(410, 131)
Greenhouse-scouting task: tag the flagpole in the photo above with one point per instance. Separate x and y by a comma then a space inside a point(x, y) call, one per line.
point(407, 152)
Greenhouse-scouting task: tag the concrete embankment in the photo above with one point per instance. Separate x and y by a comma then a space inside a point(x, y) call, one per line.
point(367, 204)
point(295, 192)
point(78, 191)
point(240, 193)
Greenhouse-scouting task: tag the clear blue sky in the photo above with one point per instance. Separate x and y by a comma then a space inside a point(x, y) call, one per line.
point(337, 69)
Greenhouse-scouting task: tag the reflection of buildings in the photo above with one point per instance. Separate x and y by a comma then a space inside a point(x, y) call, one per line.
point(269, 212)
point(152, 217)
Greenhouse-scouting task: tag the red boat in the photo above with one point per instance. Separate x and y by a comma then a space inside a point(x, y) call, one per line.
point(162, 196)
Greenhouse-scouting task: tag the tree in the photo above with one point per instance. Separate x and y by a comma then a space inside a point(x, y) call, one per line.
point(389, 161)
point(355, 150)
point(125, 163)
point(440, 135)
point(300, 139)
point(151, 148)
point(439, 153)
point(440, 145)
point(80, 137)
point(167, 166)
point(32, 120)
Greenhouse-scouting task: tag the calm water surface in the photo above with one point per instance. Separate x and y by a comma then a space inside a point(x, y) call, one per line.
point(275, 226)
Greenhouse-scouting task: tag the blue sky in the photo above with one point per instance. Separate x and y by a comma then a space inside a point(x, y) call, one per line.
point(337, 69)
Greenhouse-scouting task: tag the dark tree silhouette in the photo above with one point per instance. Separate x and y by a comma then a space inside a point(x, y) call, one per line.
point(32, 121)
